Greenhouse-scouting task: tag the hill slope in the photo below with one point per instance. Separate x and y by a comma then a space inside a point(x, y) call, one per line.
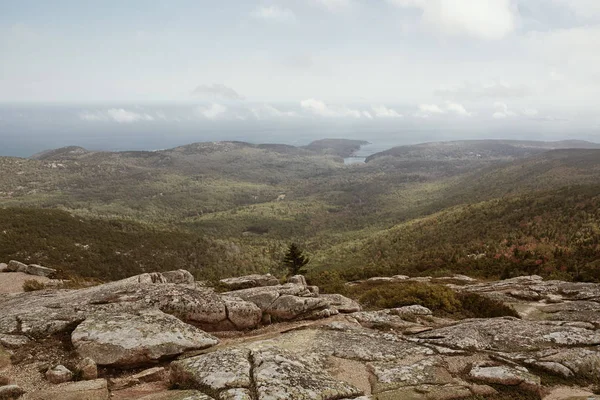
point(256, 199)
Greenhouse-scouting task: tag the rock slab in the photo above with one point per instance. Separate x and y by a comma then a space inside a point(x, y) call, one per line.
point(125, 339)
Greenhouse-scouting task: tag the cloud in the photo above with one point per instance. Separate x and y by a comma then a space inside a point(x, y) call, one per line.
point(502, 111)
point(274, 13)
point(431, 109)
point(119, 115)
point(334, 5)
point(268, 111)
point(484, 19)
point(458, 109)
point(470, 90)
point(428, 110)
point(530, 112)
point(213, 111)
point(384, 112)
point(217, 91)
point(321, 109)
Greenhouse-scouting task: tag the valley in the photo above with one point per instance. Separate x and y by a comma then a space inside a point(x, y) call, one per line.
point(486, 208)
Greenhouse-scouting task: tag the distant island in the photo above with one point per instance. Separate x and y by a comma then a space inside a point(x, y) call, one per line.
point(339, 147)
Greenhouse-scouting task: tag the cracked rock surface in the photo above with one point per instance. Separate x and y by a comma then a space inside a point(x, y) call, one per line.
point(552, 352)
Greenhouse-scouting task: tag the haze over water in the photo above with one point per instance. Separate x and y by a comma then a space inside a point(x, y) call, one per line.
point(26, 130)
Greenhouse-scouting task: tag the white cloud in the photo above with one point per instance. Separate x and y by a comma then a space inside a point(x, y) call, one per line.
point(428, 110)
point(123, 116)
point(431, 109)
point(119, 115)
point(485, 19)
point(502, 111)
point(334, 5)
point(268, 111)
point(530, 112)
point(384, 112)
point(217, 91)
point(213, 111)
point(459, 109)
point(274, 13)
point(367, 115)
point(317, 107)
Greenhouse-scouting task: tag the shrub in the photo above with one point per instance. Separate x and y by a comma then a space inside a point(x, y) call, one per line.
point(439, 299)
point(328, 282)
point(31, 285)
point(478, 306)
point(435, 297)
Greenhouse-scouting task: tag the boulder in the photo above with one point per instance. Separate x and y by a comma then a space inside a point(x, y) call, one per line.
point(16, 266)
point(180, 276)
point(581, 362)
point(13, 341)
point(505, 375)
point(389, 319)
point(341, 303)
point(416, 371)
point(415, 310)
point(4, 267)
point(128, 339)
point(11, 392)
point(41, 314)
point(280, 375)
point(214, 372)
point(59, 374)
point(297, 280)
point(38, 270)
point(242, 314)
point(249, 281)
point(287, 307)
point(286, 302)
point(84, 390)
point(88, 369)
point(509, 334)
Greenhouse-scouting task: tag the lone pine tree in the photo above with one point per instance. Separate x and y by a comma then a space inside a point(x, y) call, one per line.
point(294, 260)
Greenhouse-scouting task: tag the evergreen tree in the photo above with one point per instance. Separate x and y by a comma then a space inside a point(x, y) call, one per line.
point(294, 260)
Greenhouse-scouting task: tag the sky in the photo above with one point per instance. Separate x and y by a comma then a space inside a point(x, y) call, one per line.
point(474, 63)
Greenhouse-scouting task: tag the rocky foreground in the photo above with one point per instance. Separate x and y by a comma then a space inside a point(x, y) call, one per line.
point(163, 336)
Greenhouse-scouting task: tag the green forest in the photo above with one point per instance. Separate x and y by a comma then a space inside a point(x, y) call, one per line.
point(489, 209)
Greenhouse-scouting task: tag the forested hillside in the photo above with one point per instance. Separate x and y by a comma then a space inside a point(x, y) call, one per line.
point(486, 208)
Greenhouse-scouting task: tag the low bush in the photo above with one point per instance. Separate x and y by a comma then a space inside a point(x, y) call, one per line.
point(435, 297)
point(478, 306)
point(31, 285)
point(440, 299)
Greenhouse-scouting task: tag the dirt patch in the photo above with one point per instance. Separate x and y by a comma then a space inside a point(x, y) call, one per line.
point(12, 282)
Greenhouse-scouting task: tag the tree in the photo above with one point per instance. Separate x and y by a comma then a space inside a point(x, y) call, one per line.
point(294, 260)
